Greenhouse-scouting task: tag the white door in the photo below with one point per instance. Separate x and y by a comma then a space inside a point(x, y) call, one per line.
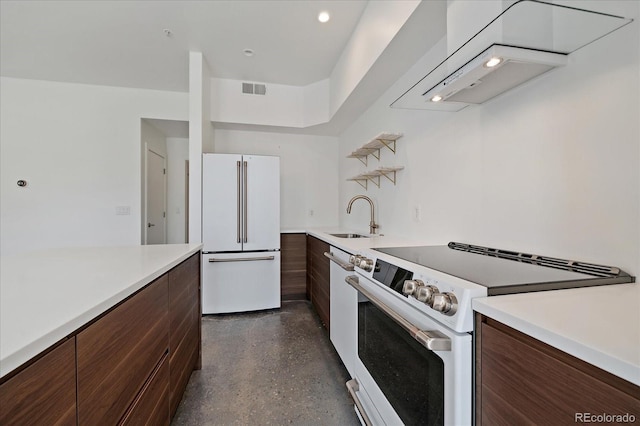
point(156, 198)
point(222, 202)
point(262, 209)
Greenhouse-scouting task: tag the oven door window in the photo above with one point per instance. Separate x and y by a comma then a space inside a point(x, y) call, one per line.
point(410, 375)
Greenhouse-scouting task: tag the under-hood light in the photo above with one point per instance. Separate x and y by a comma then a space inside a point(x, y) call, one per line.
point(499, 68)
point(493, 62)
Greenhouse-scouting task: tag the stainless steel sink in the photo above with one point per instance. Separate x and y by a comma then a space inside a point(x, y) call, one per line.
point(350, 235)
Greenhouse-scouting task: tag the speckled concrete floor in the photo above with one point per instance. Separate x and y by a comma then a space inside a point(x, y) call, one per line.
point(267, 368)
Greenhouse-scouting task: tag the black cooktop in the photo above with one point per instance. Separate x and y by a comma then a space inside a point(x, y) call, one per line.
point(507, 272)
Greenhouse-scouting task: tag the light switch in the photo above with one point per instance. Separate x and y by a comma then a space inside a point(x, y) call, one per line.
point(123, 210)
point(417, 213)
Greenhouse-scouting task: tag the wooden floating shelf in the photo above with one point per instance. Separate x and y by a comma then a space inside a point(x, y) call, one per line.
point(374, 146)
point(374, 176)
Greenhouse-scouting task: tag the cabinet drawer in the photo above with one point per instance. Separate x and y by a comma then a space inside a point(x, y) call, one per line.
point(293, 266)
point(44, 392)
point(522, 380)
point(117, 353)
point(293, 285)
point(321, 302)
point(184, 299)
point(151, 407)
point(183, 360)
point(184, 326)
point(318, 279)
point(294, 252)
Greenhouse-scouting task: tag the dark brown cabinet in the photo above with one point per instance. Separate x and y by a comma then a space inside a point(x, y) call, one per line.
point(293, 267)
point(44, 392)
point(184, 326)
point(521, 380)
point(319, 278)
point(117, 354)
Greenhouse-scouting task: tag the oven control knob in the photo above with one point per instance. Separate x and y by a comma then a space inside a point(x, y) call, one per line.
point(410, 287)
point(426, 293)
point(354, 259)
point(445, 303)
point(366, 264)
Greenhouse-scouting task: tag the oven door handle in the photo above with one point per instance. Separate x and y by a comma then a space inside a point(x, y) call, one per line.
point(430, 339)
point(353, 386)
point(344, 265)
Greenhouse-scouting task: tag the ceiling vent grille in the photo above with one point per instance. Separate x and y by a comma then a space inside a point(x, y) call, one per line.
point(260, 89)
point(254, 89)
point(247, 88)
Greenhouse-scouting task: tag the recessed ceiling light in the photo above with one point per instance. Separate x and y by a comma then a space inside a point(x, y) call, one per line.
point(324, 17)
point(436, 98)
point(248, 52)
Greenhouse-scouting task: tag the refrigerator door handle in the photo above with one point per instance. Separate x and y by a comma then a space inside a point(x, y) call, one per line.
point(240, 259)
point(246, 231)
point(238, 200)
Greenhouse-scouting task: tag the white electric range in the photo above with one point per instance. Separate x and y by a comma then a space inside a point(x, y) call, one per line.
point(415, 323)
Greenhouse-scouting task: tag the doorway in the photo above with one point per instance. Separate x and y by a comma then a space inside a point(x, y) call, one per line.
point(168, 139)
point(156, 198)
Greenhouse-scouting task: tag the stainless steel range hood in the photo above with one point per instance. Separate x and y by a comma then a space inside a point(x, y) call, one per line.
point(527, 39)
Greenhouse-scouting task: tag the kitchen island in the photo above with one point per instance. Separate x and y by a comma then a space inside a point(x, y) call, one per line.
point(111, 312)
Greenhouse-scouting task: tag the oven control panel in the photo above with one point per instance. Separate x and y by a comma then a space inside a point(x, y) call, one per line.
point(438, 295)
point(361, 262)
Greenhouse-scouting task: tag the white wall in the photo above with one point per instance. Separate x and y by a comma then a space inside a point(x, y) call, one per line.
point(378, 25)
point(201, 137)
point(308, 171)
point(78, 146)
point(551, 167)
point(178, 154)
point(282, 105)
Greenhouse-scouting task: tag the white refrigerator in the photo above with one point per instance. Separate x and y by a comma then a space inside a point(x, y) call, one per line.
point(240, 233)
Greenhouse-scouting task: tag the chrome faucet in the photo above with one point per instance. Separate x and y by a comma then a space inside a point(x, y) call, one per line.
point(372, 225)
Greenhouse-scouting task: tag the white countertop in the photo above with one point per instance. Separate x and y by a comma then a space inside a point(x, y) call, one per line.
point(47, 295)
point(600, 325)
point(293, 231)
point(352, 245)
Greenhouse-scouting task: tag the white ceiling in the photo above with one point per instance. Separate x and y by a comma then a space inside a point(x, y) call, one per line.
point(123, 43)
